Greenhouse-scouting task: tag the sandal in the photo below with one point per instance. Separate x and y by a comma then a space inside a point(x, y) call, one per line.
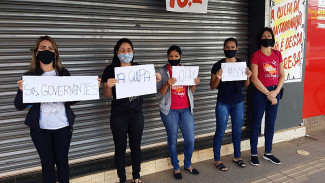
point(193, 171)
point(221, 167)
point(139, 181)
point(240, 163)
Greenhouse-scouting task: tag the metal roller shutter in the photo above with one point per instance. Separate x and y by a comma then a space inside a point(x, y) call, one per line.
point(86, 32)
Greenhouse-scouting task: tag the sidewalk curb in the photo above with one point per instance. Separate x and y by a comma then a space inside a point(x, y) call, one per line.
point(158, 165)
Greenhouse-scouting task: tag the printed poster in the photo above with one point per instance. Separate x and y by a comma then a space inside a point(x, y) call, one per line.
point(288, 22)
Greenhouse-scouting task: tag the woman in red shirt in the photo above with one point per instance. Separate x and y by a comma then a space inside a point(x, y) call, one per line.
point(268, 78)
point(176, 109)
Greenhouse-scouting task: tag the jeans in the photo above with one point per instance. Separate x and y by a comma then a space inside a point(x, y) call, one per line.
point(237, 117)
point(53, 148)
point(123, 124)
point(185, 120)
point(261, 104)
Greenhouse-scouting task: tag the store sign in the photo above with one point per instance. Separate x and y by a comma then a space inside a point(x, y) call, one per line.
point(59, 89)
point(288, 22)
point(135, 81)
point(194, 6)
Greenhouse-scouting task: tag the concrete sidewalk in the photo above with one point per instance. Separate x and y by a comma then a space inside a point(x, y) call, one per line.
point(295, 168)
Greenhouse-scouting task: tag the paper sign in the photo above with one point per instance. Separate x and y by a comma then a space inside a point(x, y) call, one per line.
point(233, 71)
point(185, 75)
point(288, 25)
point(135, 81)
point(38, 89)
point(194, 6)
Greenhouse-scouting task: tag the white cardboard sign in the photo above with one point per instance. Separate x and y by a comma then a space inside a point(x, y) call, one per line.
point(194, 6)
point(185, 75)
point(38, 89)
point(135, 81)
point(233, 71)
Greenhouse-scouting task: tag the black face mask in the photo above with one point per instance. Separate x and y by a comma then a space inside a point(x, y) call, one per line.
point(174, 62)
point(230, 53)
point(266, 42)
point(46, 57)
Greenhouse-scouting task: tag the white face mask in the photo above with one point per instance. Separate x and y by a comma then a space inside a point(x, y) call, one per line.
point(126, 57)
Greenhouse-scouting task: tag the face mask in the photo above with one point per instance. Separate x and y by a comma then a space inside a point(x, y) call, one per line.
point(266, 42)
point(230, 53)
point(126, 57)
point(46, 57)
point(174, 62)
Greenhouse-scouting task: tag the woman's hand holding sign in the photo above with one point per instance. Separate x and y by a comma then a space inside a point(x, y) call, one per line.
point(111, 82)
point(20, 84)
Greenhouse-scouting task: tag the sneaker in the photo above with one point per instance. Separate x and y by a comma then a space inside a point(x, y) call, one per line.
point(254, 160)
point(272, 158)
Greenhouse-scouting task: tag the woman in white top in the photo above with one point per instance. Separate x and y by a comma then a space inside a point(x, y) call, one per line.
point(50, 123)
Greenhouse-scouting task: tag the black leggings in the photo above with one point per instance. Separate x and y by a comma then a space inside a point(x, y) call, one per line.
point(53, 148)
point(130, 122)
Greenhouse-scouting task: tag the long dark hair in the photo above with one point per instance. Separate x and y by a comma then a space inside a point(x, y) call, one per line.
point(35, 62)
point(260, 34)
point(116, 61)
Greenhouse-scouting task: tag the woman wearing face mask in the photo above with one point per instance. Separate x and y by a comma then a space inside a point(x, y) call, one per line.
point(50, 123)
point(268, 79)
point(176, 109)
point(229, 101)
point(126, 114)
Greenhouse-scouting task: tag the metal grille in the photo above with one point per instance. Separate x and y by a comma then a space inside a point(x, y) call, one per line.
point(86, 32)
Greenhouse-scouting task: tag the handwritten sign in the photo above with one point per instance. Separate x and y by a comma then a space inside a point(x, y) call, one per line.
point(288, 22)
point(194, 6)
point(135, 81)
point(185, 75)
point(38, 89)
point(233, 71)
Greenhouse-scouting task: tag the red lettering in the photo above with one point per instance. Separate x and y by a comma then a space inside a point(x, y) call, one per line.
point(272, 15)
point(197, 1)
point(296, 5)
point(281, 47)
point(296, 58)
point(172, 3)
point(181, 3)
point(289, 62)
point(285, 63)
point(278, 13)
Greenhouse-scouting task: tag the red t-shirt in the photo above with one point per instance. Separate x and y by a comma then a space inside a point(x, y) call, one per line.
point(179, 95)
point(268, 66)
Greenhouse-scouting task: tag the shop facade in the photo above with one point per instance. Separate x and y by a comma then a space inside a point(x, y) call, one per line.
point(86, 33)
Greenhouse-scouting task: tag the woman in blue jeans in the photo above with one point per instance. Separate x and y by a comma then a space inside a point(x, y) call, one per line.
point(268, 79)
point(229, 101)
point(176, 109)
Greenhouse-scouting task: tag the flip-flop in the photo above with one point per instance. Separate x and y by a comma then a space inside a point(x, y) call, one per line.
point(221, 167)
point(240, 163)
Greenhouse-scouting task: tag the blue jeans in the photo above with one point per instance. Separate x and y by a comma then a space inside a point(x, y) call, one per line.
point(185, 120)
point(237, 117)
point(261, 104)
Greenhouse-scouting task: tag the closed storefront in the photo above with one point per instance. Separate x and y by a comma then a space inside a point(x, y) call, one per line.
point(86, 32)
